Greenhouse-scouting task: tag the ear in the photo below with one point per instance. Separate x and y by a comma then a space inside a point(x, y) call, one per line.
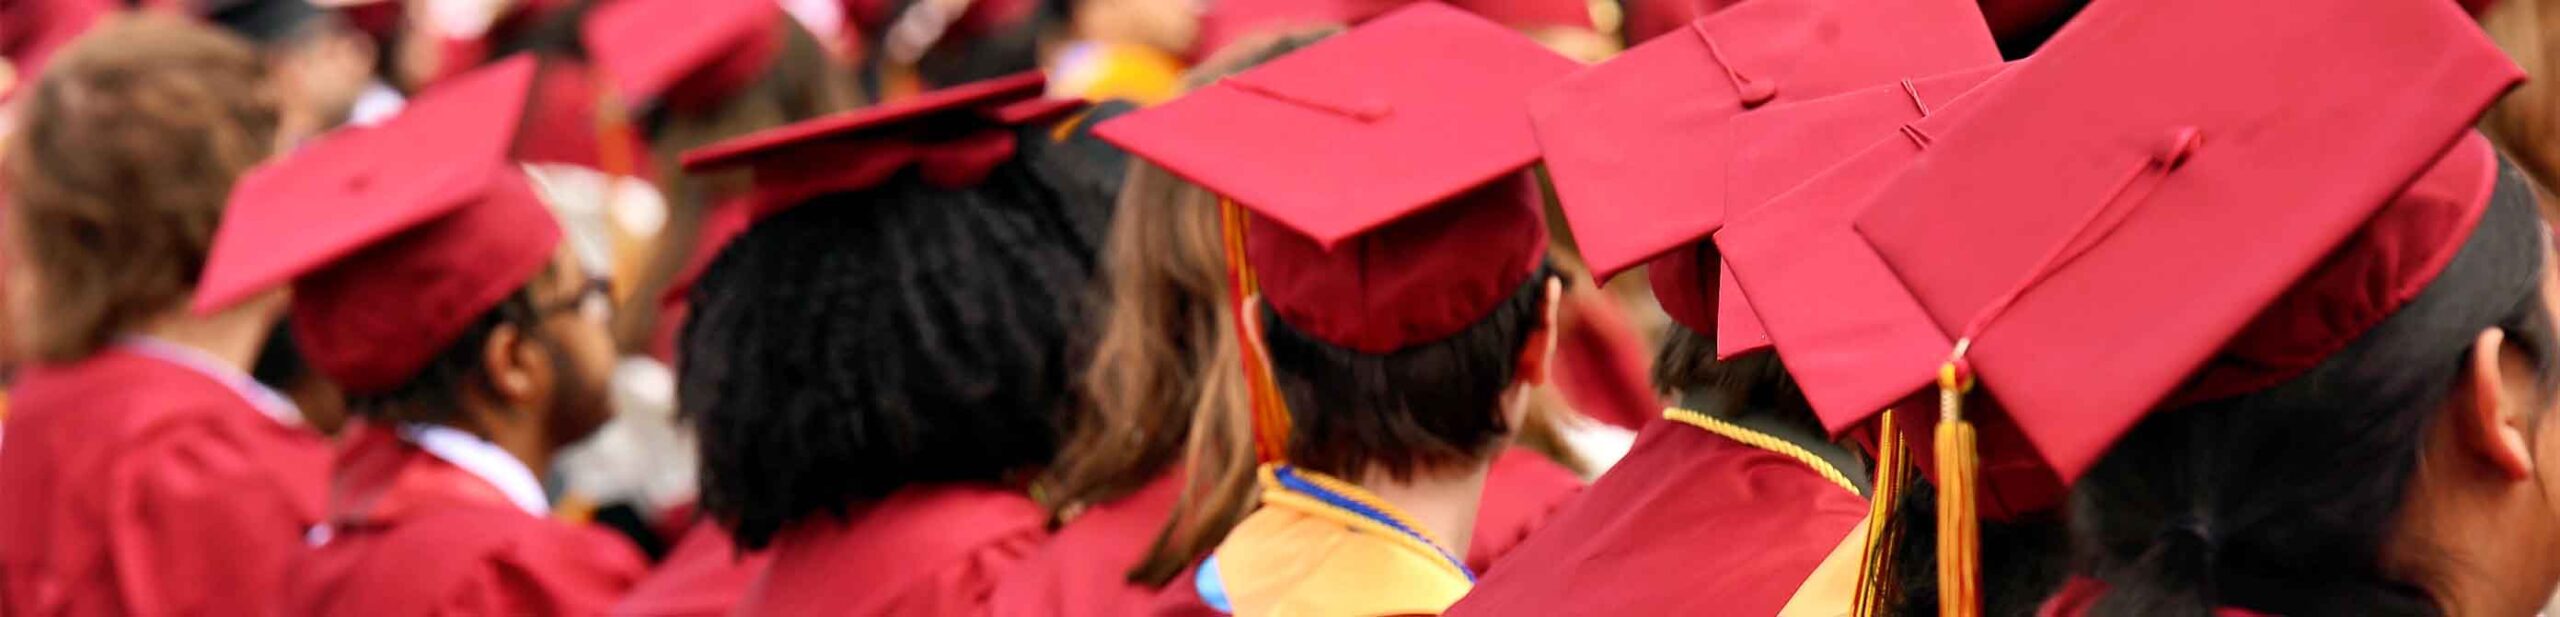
point(1538, 354)
point(2489, 407)
point(510, 365)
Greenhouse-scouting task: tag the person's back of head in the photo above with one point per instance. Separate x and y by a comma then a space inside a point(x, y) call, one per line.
point(117, 175)
point(863, 342)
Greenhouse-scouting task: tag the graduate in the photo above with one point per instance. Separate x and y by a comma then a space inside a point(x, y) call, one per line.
point(146, 473)
point(1404, 303)
point(1161, 466)
point(877, 365)
point(1730, 499)
point(2279, 426)
point(687, 74)
point(430, 282)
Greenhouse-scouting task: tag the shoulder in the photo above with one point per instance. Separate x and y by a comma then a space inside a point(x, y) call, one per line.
point(952, 543)
point(1282, 562)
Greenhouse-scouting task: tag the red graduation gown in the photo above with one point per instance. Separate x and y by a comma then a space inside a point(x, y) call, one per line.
point(1082, 571)
point(1689, 523)
point(132, 485)
point(704, 576)
point(926, 551)
point(411, 534)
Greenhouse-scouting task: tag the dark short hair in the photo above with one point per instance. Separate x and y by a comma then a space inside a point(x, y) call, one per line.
point(437, 393)
point(1424, 407)
point(864, 342)
point(2283, 500)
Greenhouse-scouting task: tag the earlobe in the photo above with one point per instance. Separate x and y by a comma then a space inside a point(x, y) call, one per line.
point(2487, 418)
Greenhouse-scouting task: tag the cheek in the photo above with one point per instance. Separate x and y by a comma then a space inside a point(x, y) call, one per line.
point(2546, 458)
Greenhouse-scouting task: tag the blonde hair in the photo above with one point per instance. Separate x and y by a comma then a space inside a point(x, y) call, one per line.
point(2526, 124)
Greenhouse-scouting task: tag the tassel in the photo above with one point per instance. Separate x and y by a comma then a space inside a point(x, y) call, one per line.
point(1875, 575)
point(1270, 414)
point(1959, 542)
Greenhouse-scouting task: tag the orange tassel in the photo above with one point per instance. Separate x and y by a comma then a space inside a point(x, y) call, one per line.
point(1270, 413)
point(1959, 536)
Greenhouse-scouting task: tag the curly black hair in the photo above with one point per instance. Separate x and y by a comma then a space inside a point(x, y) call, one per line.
point(868, 341)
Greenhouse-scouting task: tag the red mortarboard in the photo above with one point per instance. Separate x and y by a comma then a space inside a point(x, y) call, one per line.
point(953, 137)
point(1651, 18)
point(564, 122)
point(685, 54)
point(1637, 147)
point(1383, 167)
point(1781, 149)
point(2089, 289)
point(1825, 299)
point(394, 238)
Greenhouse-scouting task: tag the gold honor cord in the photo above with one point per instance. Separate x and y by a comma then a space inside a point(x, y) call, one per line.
point(1762, 441)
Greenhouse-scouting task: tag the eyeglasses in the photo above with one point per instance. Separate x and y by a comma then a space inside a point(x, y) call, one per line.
point(594, 301)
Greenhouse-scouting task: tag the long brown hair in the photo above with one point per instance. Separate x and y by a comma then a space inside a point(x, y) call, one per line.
point(1164, 385)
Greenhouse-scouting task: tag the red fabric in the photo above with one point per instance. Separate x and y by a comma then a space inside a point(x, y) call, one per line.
point(704, 576)
point(928, 550)
point(1828, 303)
point(2078, 595)
point(1423, 278)
point(1689, 523)
point(1602, 367)
point(1521, 14)
point(2157, 132)
point(1637, 146)
point(688, 54)
point(1082, 570)
point(411, 534)
point(448, 227)
point(138, 487)
point(1522, 492)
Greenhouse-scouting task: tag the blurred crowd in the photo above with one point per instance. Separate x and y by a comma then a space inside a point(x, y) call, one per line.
point(1275, 307)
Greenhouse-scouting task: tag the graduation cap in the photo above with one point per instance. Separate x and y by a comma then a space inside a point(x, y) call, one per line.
point(951, 138)
point(1638, 147)
point(683, 54)
point(1383, 173)
point(394, 238)
point(2064, 236)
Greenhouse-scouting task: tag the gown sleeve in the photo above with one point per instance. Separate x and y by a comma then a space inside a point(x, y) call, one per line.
point(201, 521)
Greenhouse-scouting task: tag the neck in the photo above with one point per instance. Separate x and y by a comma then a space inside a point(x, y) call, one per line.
point(233, 336)
point(2457, 540)
point(1443, 504)
point(514, 431)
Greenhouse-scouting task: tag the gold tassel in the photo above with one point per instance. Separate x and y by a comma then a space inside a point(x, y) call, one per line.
point(1875, 577)
point(1959, 542)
